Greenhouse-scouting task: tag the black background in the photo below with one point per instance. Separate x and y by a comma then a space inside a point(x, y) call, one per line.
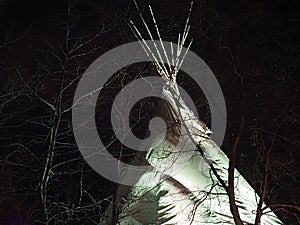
point(253, 47)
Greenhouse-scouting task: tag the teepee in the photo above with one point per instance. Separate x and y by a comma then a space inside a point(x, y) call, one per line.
point(187, 193)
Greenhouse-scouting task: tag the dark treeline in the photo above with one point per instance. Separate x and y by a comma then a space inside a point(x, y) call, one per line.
point(252, 47)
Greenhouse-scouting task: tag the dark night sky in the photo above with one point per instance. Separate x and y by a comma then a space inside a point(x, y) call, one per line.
point(256, 40)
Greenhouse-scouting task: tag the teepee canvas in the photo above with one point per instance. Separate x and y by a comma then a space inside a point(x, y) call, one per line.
point(196, 190)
